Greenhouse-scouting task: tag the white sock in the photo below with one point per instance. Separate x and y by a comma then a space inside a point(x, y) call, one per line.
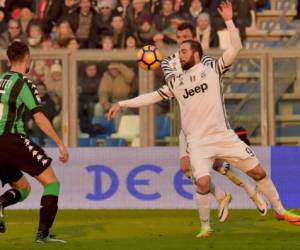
point(203, 204)
point(217, 192)
point(267, 187)
point(248, 189)
point(241, 183)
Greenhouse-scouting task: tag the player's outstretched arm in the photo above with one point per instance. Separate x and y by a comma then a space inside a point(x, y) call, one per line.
point(137, 102)
point(229, 55)
point(45, 125)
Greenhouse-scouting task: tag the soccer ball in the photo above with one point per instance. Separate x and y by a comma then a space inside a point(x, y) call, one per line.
point(149, 57)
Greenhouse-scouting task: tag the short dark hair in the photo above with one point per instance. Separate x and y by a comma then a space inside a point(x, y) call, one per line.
point(40, 83)
point(195, 46)
point(16, 51)
point(187, 25)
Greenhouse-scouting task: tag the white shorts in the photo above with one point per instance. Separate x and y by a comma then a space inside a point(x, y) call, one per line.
point(232, 150)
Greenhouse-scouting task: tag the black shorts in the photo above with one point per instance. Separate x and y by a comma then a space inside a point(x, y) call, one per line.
point(19, 154)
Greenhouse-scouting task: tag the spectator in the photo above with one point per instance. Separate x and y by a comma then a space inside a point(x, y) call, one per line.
point(46, 42)
point(35, 35)
point(194, 11)
point(162, 19)
point(73, 44)
point(107, 43)
point(242, 15)
point(88, 97)
point(13, 32)
point(131, 42)
point(115, 85)
point(217, 21)
point(49, 110)
point(158, 40)
point(118, 32)
point(26, 18)
point(180, 5)
point(84, 24)
point(105, 17)
point(134, 14)
point(113, 3)
point(54, 80)
point(68, 7)
point(146, 31)
point(123, 7)
point(64, 34)
point(3, 20)
point(205, 34)
point(48, 12)
point(11, 5)
point(170, 32)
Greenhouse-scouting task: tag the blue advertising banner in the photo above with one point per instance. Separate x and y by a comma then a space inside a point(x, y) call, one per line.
point(122, 178)
point(286, 174)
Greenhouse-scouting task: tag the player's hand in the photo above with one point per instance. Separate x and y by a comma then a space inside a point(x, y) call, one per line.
point(63, 153)
point(225, 10)
point(115, 108)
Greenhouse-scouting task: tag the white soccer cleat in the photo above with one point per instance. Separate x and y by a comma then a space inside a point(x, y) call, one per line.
point(261, 204)
point(224, 207)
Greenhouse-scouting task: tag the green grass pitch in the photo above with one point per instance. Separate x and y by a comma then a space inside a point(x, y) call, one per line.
point(150, 229)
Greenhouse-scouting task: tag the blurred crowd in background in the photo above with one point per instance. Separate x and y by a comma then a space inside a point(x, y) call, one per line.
point(107, 25)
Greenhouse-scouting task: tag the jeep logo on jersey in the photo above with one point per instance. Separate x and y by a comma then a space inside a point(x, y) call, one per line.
point(196, 90)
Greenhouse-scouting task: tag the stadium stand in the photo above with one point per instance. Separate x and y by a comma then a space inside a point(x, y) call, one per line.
point(50, 25)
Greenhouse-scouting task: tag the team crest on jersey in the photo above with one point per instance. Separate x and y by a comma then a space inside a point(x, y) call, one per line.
point(203, 74)
point(180, 76)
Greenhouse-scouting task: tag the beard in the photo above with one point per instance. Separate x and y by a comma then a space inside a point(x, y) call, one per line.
point(190, 63)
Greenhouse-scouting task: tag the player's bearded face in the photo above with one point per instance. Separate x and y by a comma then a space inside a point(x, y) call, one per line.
point(187, 64)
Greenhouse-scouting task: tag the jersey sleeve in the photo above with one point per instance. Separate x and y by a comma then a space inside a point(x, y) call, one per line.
point(222, 67)
point(218, 65)
point(167, 68)
point(30, 97)
point(232, 51)
point(166, 91)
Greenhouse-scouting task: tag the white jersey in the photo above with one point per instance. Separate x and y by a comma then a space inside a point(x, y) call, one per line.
point(171, 66)
point(199, 92)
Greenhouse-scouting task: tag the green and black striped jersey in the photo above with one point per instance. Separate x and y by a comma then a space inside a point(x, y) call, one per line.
point(16, 93)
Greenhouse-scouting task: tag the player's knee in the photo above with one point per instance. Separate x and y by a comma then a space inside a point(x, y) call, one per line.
point(24, 192)
point(203, 184)
point(257, 173)
point(52, 189)
point(217, 164)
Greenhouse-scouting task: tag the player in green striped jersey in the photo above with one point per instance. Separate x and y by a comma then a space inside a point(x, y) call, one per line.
point(18, 153)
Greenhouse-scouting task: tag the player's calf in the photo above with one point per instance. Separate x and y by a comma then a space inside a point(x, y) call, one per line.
point(10, 197)
point(48, 210)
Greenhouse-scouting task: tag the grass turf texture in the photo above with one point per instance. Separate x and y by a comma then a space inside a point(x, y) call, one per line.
point(150, 229)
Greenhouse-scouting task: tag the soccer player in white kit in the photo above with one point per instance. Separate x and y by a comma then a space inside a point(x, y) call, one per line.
point(204, 124)
point(171, 68)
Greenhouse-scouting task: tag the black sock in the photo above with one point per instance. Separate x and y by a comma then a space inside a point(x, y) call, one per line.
point(10, 197)
point(47, 213)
